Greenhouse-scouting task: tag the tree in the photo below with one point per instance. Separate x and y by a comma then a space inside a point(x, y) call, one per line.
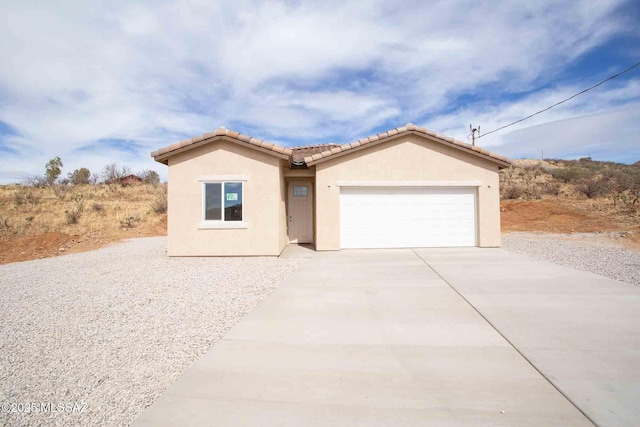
point(80, 176)
point(149, 176)
point(112, 173)
point(53, 169)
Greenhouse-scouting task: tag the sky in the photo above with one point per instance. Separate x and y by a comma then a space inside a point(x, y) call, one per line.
point(103, 82)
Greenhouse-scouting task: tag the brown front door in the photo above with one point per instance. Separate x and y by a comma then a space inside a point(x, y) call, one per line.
point(300, 212)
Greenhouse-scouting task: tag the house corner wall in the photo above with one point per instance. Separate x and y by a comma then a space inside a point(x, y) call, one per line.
point(488, 208)
point(262, 204)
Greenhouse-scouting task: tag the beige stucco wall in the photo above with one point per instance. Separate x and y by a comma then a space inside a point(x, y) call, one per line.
point(406, 159)
point(263, 205)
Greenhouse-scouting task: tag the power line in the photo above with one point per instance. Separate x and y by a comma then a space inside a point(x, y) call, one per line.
point(563, 101)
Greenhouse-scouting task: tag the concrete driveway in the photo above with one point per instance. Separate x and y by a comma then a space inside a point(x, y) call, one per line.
point(389, 338)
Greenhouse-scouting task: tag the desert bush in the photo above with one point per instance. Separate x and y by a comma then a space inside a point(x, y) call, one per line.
point(508, 174)
point(5, 225)
point(532, 192)
point(73, 215)
point(97, 207)
point(568, 174)
point(150, 177)
point(60, 190)
point(24, 195)
point(510, 192)
point(34, 181)
point(533, 171)
point(550, 188)
point(593, 187)
point(130, 221)
point(80, 176)
point(159, 204)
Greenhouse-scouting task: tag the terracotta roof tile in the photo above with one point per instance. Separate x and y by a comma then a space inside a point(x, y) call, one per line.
point(313, 153)
point(410, 127)
point(303, 154)
point(221, 131)
point(267, 145)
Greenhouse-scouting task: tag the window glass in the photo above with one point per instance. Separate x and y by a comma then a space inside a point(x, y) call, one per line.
point(213, 205)
point(233, 201)
point(300, 190)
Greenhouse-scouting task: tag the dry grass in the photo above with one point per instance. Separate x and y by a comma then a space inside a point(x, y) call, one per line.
point(29, 216)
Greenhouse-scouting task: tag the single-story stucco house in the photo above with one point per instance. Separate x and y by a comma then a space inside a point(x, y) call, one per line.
point(232, 194)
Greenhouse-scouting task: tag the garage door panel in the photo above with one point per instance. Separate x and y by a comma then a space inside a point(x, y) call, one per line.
point(386, 217)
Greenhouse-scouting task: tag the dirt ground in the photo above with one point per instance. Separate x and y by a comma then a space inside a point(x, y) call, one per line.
point(24, 248)
point(563, 215)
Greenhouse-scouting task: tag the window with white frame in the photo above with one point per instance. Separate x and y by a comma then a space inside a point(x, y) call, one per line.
point(223, 201)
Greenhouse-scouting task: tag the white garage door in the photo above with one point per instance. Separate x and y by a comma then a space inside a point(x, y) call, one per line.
point(405, 217)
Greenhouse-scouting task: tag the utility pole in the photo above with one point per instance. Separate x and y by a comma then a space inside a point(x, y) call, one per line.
point(473, 134)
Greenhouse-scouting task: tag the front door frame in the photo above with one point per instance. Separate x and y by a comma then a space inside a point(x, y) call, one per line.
point(311, 185)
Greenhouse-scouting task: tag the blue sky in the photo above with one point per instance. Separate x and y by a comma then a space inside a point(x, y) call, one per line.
point(100, 83)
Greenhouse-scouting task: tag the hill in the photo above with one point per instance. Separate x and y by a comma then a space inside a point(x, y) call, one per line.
point(43, 221)
point(564, 196)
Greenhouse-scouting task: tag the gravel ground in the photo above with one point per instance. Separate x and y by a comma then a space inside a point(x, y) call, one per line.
point(113, 328)
point(595, 252)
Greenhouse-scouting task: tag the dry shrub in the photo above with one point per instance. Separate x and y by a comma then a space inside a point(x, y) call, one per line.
point(594, 187)
point(24, 195)
point(159, 204)
point(569, 174)
point(61, 190)
point(130, 221)
point(550, 188)
point(73, 215)
point(511, 192)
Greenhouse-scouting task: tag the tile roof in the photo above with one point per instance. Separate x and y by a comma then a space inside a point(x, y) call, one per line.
point(162, 154)
point(312, 154)
point(299, 153)
point(392, 133)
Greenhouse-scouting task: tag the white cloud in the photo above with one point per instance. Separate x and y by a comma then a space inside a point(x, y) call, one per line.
point(612, 135)
point(75, 73)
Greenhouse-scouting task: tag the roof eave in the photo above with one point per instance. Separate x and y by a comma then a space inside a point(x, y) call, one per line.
point(163, 157)
point(359, 145)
